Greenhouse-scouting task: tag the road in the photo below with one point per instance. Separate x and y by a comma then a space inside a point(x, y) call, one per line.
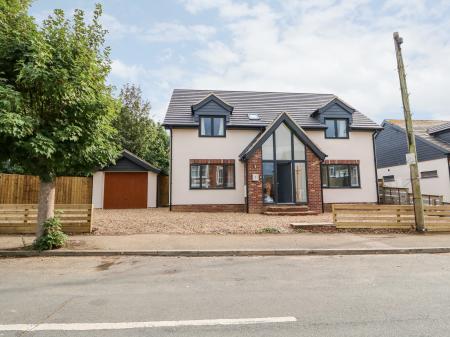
point(378, 295)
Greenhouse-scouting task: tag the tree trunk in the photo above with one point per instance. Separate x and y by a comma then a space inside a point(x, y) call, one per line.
point(46, 207)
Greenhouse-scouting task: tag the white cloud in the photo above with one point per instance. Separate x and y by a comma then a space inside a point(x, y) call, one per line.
point(217, 54)
point(341, 47)
point(226, 8)
point(175, 32)
point(117, 29)
point(127, 72)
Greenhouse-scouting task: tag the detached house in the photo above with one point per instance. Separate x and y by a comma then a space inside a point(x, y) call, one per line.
point(266, 151)
point(433, 152)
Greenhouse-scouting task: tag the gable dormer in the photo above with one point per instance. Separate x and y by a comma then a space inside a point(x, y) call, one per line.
point(337, 116)
point(211, 105)
point(336, 108)
point(212, 114)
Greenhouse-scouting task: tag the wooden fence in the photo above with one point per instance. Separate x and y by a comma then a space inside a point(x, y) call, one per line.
point(437, 218)
point(24, 189)
point(21, 218)
point(163, 190)
point(401, 196)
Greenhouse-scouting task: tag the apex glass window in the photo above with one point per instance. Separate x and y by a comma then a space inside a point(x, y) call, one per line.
point(212, 126)
point(283, 143)
point(340, 176)
point(212, 176)
point(336, 128)
point(284, 168)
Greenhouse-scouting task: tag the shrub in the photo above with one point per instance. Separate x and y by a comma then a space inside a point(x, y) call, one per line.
point(53, 236)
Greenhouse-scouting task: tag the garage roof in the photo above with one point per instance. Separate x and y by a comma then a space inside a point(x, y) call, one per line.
point(129, 162)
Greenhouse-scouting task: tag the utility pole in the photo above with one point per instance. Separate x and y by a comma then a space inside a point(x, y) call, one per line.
point(411, 157)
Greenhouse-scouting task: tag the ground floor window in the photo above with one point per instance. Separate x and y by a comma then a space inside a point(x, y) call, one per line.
point(340, 176)
point(428, 174)
point(212, 176)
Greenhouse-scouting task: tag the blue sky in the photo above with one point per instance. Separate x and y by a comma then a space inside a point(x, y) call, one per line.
point(324, 46)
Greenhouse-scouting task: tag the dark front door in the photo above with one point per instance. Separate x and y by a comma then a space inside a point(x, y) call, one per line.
point(284, 182)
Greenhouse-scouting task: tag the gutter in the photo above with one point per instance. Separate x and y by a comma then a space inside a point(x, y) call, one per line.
point(321, 187)
point(170, 174)
point(375, 163)
point(246, 185)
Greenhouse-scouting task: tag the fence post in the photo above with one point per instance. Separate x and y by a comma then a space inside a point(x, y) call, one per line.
point(90, 212)
point(25, 216)
point(334, 213)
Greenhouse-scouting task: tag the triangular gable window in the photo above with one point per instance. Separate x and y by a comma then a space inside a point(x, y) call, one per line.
point(283, 144)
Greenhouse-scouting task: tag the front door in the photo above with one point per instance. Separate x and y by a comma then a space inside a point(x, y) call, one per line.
point(284, 182)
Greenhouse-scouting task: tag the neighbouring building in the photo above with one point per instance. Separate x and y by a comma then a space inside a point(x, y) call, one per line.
point(433, 152)
point(130, 183)
point(255, 151)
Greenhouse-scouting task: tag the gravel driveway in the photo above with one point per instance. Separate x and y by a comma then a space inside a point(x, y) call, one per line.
point(160, 220)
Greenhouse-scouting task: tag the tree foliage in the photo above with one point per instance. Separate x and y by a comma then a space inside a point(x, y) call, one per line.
point(138, 133)
point(56, 111)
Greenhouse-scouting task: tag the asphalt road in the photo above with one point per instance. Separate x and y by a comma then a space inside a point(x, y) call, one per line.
point(390, 295)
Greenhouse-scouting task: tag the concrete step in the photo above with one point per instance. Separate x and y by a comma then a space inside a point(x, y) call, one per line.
point(292, 208)
point(291, 213)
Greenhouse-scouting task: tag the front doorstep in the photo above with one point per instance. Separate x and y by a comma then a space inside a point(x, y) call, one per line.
point(285, 209)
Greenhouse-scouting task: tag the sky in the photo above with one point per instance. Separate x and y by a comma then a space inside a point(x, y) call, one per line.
point(322, 46)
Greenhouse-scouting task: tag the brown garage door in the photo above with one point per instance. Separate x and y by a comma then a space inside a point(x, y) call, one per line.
point(125, 190)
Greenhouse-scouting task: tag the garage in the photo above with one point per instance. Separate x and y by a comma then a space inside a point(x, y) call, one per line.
point(130, 183)
point(125, 190)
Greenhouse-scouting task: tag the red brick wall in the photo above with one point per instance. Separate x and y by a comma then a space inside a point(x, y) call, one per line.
point(211, 161)
point(341, 161)
point(209, 208)
point(254, 188)
point(314, 182)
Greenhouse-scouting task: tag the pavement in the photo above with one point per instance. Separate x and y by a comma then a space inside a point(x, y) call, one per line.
point(338, 296)
point(260, 244)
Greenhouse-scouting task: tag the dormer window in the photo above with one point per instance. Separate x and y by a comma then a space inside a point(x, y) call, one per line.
point(336, 128)
point(211, 126)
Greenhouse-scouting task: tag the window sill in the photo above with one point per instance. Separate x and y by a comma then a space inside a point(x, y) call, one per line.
point(341, 188)
point(212, 189)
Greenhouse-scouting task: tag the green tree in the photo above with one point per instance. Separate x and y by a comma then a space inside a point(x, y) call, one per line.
point(56, 110)
point(138, 133)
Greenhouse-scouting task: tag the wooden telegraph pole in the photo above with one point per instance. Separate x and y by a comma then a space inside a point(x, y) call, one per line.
point(411, 157)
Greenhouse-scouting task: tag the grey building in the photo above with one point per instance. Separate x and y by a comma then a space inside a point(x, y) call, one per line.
point(433, 151)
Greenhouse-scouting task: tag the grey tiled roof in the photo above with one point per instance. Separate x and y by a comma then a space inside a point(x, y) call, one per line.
point(438, 128)
point(422, 128)
point(267, 104)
